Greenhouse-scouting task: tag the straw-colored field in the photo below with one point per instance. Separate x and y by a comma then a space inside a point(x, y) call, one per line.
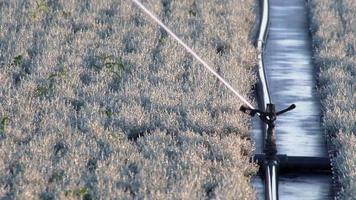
point(334, 38)
point(97, 102)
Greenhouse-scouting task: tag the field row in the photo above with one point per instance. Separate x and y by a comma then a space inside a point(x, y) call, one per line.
point(97, 101)
point(333, 27)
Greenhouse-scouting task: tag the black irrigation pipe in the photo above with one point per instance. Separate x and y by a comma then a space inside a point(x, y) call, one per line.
point(271, 163)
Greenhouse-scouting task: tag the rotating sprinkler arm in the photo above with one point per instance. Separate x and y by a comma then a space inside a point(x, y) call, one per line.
point(268, 116)
point(291, 107)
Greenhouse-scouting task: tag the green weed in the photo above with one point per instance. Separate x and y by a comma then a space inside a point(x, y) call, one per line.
point(162, 40)
point(61, 74)
point(42, 91)
point(115, 66)
point(48, 87)
point(41, 7)
point(77, 104)
point(108, 113)
point(17, 61)
point(3, 123)
point(192, 13)
point(82, 192)
point(57, 176)
point(66, 14)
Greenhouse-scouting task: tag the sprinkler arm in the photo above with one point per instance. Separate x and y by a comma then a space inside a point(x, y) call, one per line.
point(291, 107)
point(267, 117)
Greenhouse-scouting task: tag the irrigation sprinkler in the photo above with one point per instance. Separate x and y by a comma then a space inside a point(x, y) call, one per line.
point(271, 161)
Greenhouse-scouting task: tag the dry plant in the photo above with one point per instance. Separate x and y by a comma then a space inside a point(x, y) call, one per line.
point(333, 27)
point(99, 103)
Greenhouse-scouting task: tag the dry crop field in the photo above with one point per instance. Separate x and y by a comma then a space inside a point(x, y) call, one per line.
point(98, 102)
point(334, 39)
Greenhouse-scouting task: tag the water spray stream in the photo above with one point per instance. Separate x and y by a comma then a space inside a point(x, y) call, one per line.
point(150, 14)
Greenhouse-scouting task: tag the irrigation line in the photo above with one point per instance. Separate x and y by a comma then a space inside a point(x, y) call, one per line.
point(262, 37)
point(206, 65)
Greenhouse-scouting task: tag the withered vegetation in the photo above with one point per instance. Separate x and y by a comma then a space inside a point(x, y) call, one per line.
point(333, 26)
point(98, 102)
